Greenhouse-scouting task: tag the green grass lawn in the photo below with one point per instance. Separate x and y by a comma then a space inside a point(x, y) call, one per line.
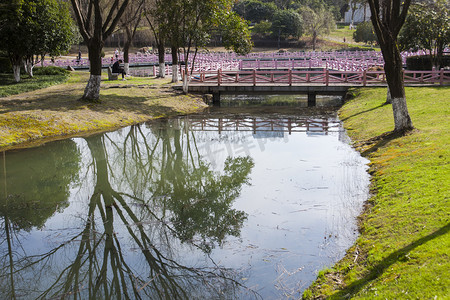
point(9, 87)
point(343, 31)
point(403, 250)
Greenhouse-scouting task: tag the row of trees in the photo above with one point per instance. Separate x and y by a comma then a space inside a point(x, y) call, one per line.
point(34, 28)
point(426, 27)
point(30, 28)
point(288, 19)
point(177, 24)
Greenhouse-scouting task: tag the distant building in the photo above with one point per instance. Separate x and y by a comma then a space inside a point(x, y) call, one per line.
point(361, 13)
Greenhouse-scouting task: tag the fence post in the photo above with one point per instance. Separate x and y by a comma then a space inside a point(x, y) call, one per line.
point(254, 77)
point(441, 77)
point(290, 77)
point(327, 74)
point(154, 70)
point(364, 77)
point(219, 76)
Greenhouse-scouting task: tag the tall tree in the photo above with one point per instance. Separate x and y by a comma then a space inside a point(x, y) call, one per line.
point(427, 27)
point(255, 10)
point(13, 33)
point(27, 28)
point(172, 20)
point(194, 22)
point(48, 15)
point(287, 23)
point(96, 20)
point(129, 22)
point(156, 23)
point(387, 18)
point(364, 33)
point(317, 22)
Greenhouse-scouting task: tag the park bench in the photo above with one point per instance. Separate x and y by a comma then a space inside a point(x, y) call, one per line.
point(111, 75)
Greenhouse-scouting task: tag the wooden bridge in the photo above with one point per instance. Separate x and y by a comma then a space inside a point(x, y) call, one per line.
point(310, 82)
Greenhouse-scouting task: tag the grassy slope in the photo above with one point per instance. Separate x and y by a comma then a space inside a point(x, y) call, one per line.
point(403, 250)
point(56, 112)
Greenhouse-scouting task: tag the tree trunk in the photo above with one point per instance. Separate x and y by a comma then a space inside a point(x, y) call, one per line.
point(126, 51)
point(174, 65)
point(393, 68)
point(126, 57)
point(92, 90)
point(15, 63)
point(29, 66)
point(161, 58)
point(186, 81)
point(314, 40)
point(388, 96)
point(365, 13)
point(16, 71)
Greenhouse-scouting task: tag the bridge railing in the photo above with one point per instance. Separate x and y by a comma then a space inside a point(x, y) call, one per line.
point(325, 77)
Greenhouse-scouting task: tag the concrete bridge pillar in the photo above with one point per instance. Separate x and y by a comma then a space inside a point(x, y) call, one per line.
point(216, 98)
point(311, 99)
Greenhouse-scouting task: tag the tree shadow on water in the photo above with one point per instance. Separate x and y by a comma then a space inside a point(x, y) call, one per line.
point(377, 270)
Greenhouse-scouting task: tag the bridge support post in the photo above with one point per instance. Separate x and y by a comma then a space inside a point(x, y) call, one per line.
point(216, 98)
point(311, 99)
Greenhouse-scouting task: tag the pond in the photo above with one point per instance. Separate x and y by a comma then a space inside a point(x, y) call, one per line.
point(233, 203)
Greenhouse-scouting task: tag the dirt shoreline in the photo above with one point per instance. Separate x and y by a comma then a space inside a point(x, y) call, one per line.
point(54, 113)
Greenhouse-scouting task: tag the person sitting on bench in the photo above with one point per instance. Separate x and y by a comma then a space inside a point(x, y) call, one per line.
point(116, 68)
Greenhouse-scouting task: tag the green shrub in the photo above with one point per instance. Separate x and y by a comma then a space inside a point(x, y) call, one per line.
point(365, 33)
point(51, 70)
point(419, 63)
point(5, 65)
point(424, 63)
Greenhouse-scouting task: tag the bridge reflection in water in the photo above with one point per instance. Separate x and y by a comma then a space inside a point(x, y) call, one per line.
point(255, 125)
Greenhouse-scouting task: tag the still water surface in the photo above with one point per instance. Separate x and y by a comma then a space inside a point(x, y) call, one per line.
point(245, 205)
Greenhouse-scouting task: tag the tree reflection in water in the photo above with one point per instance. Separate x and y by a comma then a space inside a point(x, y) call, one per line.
point(152, 188)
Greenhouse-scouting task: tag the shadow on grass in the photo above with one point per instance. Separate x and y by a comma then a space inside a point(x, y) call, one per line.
point(68, 99)
point(377, 270)
point(380, 141)
point(365, 111)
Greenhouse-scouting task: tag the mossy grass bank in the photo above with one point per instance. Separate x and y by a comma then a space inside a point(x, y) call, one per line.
point(403, 250)
point(56, 112)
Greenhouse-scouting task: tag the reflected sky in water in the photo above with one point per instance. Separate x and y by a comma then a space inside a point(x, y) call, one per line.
point(210, 206)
